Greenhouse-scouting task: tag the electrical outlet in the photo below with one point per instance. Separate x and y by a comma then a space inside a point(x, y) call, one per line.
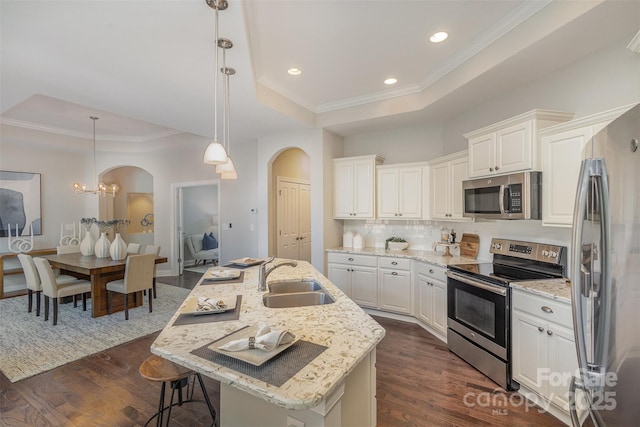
point(292, 422)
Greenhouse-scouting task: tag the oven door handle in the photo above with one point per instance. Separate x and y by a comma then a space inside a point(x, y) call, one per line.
point(477, 284)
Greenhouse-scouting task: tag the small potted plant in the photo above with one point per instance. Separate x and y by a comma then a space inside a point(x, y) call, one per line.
point(396, 244)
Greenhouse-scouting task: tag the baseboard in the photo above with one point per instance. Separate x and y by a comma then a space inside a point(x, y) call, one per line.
point(406, 318)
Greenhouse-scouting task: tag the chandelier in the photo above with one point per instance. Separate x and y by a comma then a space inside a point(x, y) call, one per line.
point(101, 189)
point(215, 154)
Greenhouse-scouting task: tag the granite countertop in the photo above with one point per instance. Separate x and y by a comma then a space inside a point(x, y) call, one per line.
point(437, 258)
point(551, 288)
point(344, 328)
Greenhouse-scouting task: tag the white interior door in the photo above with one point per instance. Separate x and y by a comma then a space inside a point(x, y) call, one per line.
point(293, 210)
point(180, 230)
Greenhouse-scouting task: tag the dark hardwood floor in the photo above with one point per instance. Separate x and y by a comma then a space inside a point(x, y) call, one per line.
point(419, 383)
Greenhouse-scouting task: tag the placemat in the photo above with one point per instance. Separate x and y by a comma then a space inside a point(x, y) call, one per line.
point(276, 371)
point(238, 279)
point(241, 267)
point(190, 319)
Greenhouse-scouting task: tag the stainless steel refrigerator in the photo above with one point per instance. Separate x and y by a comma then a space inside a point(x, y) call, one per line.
point(605, 274)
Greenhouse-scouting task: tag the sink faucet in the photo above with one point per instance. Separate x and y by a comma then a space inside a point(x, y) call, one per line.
point(263, 272)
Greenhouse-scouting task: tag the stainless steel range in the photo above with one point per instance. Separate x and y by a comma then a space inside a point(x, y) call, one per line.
point(479, 302)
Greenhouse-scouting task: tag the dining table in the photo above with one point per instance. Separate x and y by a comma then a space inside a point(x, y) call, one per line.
point(99, 271)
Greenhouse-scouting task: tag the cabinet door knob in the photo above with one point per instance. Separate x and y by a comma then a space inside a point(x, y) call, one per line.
point(540, 328)
point(393, 273)
point(431, 270)
point(490, 169)
point(497, 168)
point(549, 333)
point(400, 214)
point(394, 263)
point(350, 259)
point(546, 309)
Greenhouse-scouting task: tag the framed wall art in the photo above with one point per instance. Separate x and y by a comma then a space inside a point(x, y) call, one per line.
point(20, 205)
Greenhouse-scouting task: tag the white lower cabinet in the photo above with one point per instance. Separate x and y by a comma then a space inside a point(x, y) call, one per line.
point(356, 276)
point(431, 296)
point(394, 284)
point(543, 346)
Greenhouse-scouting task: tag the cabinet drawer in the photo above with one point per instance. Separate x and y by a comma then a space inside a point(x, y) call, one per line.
point(394, 263)
point(351, 259)
point(432, 270)
point(543, 308)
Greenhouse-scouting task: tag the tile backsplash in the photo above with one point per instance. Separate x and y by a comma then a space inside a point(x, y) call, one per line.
point(421, 235)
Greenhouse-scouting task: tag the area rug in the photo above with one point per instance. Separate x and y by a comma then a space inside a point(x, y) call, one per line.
point(29, 345)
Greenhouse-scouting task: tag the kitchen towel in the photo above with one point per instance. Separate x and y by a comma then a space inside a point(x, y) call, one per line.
point(265, 339)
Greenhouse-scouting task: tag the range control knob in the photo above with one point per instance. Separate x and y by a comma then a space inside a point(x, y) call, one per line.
point(497, 246)
point(553, 254)
point(545, 253)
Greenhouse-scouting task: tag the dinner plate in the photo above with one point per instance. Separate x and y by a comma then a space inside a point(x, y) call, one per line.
point(247, 262)
point(191, 306)
point(222, 274)
point(255, 356)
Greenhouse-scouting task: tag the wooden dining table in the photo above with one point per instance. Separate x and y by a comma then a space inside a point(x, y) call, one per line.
point(99, 271)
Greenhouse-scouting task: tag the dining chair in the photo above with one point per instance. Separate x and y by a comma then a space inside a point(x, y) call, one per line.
point(153, 249)
point(33, 280)
point(68, 249)
point(138, 276)
point(133, 248)
point(51, 289)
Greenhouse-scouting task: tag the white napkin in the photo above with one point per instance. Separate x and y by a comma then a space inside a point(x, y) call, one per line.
point(265, 339)
point(207, 304)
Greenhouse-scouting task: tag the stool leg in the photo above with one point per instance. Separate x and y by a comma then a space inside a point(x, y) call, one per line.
point(174, 384)
point(161, 406)
point(212, 410)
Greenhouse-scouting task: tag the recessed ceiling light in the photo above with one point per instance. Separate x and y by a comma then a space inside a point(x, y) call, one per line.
point(391, 81)
point(438, 37)
point(294, 71)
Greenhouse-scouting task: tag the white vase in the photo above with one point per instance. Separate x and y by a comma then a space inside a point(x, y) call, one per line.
point(102, 246)
point(118, 249)
point(87, 245)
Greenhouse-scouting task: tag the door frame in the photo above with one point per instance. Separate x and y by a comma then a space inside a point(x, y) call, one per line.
point(177, 235)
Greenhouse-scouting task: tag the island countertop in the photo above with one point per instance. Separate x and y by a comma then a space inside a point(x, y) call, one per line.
point(345, 329)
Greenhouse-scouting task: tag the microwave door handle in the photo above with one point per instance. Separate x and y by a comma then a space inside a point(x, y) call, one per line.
point(501, 198)
point(506, 199)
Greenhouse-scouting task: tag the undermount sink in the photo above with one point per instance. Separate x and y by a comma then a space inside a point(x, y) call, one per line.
point(296, 293)
point(297, 299)
point(289, 286)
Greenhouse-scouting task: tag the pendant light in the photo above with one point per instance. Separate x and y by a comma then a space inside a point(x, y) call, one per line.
point(227, 170)
point(215, 153)
point(101, 188)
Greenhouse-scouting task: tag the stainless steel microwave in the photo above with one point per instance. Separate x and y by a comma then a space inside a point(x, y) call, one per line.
point(513, 196)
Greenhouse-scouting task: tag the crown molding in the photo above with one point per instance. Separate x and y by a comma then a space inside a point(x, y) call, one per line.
point(84, 135)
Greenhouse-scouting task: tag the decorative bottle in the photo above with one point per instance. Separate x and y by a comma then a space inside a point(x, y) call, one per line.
point(118, 249)
point(102, 246)
point(87, 246)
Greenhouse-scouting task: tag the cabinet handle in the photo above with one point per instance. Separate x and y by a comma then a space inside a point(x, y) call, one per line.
point(431, 270)
point(497, 168)
point(540, 328)
point(393, 273)
point(549, 333)
point(490, 169)
point(400, 214)
point(394, 263)
point(350, 259)
point(546, 309)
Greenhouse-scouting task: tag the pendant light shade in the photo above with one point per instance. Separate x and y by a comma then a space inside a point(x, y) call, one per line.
point(227, 167)
point(215, 154)
point(229, 175)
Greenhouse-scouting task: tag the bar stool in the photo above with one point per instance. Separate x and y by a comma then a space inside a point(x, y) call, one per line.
point(156, 368)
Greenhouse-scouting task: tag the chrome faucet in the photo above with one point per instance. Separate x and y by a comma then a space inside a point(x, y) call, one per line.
point(263, 271)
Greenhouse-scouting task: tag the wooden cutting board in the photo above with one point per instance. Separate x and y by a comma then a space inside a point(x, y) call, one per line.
point(469, 245)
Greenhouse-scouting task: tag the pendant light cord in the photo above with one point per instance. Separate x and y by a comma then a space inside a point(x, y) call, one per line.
point(215, 83)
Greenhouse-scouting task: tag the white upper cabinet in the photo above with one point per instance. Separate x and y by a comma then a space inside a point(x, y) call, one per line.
point(563, 149)
point(447, 174)
point(510, 145)
point(399, 191)
point(354, 187)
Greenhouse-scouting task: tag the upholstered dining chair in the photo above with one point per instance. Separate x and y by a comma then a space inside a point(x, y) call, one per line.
point(51, 289)
point(34, 284)
point(153, 249)
point(133, 248)
point(138, 276)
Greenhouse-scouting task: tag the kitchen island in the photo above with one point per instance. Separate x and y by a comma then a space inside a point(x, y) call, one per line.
point(335, 388)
